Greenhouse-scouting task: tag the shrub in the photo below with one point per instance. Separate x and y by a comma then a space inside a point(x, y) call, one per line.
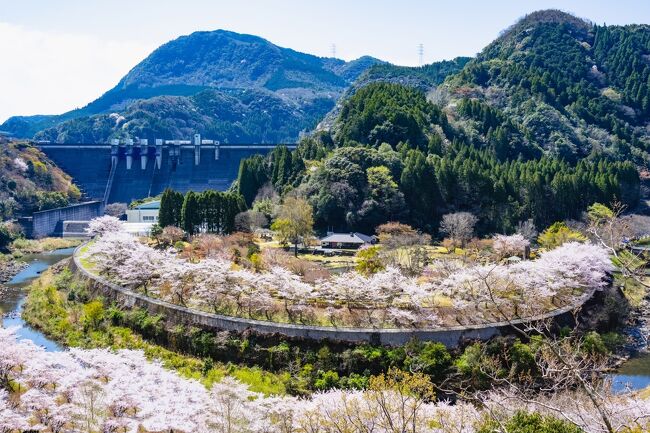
point(93, 315)
point(557, 234)
point(172, 235)
point(593, 344)
point(354, 381)
point(470, 364)
point(525, 422)
point(256, 262)
point(433, 359)
point(613, 340)
point(156, 231)
point(326, 380)
point(369, 261)
point(523, 358)
point(5, 237)
point(115, 315)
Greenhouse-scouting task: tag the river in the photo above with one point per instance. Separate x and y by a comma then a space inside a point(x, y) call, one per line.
point(11, 302)
point(633, 374)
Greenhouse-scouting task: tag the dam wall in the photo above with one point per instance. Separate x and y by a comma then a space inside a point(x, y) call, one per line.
point(123, 173)
point(51, 222)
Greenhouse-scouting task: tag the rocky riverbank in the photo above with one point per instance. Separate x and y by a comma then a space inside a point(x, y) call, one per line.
point(637, 330)
point(9, 267)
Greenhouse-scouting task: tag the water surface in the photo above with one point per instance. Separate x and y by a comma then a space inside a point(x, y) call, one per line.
point(633, 374)
point(13, 299)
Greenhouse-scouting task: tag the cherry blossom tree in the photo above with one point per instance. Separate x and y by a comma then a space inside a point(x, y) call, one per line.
point(513, 245)
point(563, 275)
point(99, 390)
point(102, 225)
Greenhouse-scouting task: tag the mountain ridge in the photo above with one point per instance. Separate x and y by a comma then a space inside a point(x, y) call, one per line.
point(560, 83)
point(217, 61)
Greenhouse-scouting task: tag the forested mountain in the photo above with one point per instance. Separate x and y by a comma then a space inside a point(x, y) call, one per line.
point(549, 118)
point(567, 86)
point(422, 77)
point(231, 116)
point(229, 86)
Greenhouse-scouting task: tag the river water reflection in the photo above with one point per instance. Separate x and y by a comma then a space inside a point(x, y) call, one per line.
point(12, 300)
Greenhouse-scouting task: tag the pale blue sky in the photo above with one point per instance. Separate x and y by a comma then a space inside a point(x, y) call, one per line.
point(58, 55)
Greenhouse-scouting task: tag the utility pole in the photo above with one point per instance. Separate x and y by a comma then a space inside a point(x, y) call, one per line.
point(421, 53)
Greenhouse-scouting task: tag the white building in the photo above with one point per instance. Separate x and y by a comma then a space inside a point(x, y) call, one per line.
point(144, 213)
point(137, 229)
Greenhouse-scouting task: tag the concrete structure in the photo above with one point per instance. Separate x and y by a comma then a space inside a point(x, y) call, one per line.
point(174, 315)
point(50, 222)
point(346, 241)
point(75, 229)
point(127, 170)
point(137, 229)
point(144, 213)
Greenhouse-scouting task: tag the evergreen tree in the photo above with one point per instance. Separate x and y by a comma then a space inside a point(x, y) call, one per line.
point(420, 187)
point(191, 213)
point(252, 176)
point(171, 203)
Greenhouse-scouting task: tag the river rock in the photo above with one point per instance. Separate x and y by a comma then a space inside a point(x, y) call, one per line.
point(9, 268)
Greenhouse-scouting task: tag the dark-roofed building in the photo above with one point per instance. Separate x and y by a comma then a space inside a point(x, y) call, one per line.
point(346, 241)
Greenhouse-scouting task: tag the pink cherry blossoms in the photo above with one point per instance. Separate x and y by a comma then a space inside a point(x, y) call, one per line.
point(102, 225)
point(386, 299)
point(121, 392)
point(513, 245)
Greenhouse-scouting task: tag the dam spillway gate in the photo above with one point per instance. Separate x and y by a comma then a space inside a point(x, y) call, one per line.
point(127, 170)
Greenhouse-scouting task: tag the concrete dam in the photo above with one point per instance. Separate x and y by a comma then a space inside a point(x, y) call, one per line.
point(124, 170)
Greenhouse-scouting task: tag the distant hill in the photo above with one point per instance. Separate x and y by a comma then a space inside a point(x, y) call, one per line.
point(550, 83)
point(202, 82)
point(421, 77)
point(559, 83)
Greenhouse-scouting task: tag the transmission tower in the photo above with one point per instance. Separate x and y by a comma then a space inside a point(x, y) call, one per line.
point(421, 53)
point(333, 50)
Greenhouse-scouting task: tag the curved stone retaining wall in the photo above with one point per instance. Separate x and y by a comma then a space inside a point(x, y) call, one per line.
point(178, 315)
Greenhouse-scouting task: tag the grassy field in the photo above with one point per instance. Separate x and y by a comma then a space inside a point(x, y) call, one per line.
point(85, 262)
point(348, 262)
point(34, 246)
point(332, 262)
